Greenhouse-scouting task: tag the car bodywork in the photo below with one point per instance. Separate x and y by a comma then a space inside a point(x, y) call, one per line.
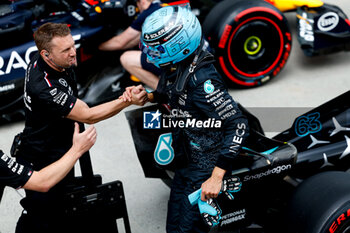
point(100, 75)
point(318, 141)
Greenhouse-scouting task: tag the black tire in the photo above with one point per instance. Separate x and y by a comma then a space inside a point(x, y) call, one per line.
point(251, 40)
point(321, 205)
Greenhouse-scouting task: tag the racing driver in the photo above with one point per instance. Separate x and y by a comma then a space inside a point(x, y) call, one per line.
point(191, 86)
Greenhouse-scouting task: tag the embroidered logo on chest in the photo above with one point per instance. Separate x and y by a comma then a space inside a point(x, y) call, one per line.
point(182, 99)
point(63, 82)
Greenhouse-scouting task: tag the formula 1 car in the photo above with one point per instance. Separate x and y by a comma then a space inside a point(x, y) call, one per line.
point(100, 75)
point(296, 181)
point(251, 40)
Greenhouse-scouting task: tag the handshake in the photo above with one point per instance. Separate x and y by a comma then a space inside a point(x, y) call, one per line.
point(135, 95)
point(210, 210)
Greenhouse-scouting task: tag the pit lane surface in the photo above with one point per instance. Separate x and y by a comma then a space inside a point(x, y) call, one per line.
point(304, 83)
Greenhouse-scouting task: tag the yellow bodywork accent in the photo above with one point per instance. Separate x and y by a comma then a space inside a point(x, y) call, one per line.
point(289, 5)
point(98, 9)
point(133, 78)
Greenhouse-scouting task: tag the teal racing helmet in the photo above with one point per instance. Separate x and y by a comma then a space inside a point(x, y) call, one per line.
point(169, 35)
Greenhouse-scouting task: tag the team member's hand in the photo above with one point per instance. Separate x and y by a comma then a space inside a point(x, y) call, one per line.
point(139, 95)
point(82, 142)
point(126, 97)
point(135, 95)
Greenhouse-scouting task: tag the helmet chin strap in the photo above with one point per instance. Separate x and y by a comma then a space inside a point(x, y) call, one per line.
point(202, 57)
point(202, 47)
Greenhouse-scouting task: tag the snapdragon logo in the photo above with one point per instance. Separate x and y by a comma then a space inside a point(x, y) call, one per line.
point(275, 170)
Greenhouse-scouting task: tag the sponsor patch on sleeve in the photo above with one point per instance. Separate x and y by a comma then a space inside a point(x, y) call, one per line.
point(208, 87)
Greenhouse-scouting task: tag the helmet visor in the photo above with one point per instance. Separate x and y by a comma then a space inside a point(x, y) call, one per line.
point(153, 52)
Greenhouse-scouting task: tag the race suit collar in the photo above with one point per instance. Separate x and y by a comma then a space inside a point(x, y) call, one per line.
point(187, 68)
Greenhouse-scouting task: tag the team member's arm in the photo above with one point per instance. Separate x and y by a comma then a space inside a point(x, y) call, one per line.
point(127, 39)
point(83, 113)
point(49, 176)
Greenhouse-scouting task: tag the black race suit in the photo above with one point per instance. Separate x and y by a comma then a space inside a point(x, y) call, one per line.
point(213, 132)
point(49, 97)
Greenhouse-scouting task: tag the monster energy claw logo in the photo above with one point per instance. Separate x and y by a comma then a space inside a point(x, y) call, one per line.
point(164, 153)
point(208, 87)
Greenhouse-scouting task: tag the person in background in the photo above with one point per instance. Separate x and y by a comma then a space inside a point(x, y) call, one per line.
point(133, 60)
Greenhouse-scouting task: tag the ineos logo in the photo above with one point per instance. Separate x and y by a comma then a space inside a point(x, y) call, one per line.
point(328, 21)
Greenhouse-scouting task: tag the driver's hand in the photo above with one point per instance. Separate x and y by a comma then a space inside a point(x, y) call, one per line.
point(139, 95)
point(126, 97)
point(211, 188)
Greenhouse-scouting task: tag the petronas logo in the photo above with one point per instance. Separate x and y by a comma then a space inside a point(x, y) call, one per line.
point(164, 153)
point(208, 87)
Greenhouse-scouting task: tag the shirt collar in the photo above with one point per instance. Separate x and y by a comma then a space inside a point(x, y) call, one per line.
point(48, 68)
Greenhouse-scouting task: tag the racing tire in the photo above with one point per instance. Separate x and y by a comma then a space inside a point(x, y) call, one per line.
point(251, 40)
point(321, 204)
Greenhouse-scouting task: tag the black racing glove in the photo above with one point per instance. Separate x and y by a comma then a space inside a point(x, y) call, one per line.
point(230, 186)
point(211, 220)
point(209, 210)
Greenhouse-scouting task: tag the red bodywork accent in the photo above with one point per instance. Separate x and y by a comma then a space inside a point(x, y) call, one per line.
point(273, 64)
point(92, 2)
point(256, 9)
point(179, 2)
point(270, 1)
point(348, 21)
point(84, 56)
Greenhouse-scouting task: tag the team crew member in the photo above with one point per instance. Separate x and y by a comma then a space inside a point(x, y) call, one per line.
point(52, 107)
point(197, 93)
point(134, 61)
point(18, 176)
